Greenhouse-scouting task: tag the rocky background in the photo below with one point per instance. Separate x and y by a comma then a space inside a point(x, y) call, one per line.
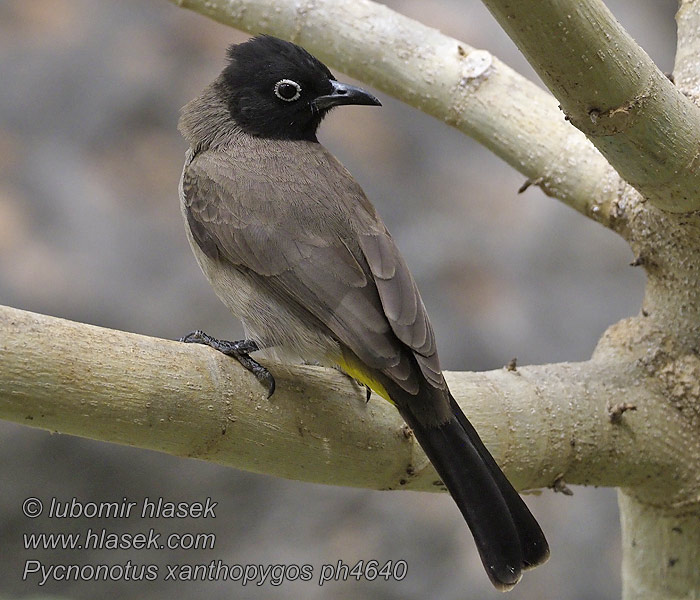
point(90, 230)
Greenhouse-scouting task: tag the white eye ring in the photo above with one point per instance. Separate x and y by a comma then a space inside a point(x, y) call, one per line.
point(290, 82)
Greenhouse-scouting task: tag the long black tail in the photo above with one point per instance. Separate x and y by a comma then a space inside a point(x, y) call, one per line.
point(507, 536)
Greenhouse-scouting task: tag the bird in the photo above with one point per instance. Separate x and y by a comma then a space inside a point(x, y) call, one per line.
point(294, 248)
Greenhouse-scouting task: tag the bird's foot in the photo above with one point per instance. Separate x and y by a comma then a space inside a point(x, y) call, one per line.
point(240, 350)
point(368, 390)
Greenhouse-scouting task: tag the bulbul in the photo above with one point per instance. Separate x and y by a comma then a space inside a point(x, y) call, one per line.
point(294, 248)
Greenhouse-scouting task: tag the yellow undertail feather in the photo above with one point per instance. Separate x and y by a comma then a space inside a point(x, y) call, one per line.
point(359, 372)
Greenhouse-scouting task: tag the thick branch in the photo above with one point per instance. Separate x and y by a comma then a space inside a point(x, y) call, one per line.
point(613, 92)
point(541, 423)
point(467, 88)
point(660, 551)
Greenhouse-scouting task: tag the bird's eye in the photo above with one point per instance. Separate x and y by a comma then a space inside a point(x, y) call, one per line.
point(287, 90)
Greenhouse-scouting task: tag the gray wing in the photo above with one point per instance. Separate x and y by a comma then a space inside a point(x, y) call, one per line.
point(314, 240)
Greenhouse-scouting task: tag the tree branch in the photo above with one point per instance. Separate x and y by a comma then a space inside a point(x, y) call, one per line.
point(542, 423)
point(660, 550)
point(613, 92)
point(467, 88)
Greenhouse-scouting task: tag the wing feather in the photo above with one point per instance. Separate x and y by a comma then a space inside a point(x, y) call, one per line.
point(317, 241)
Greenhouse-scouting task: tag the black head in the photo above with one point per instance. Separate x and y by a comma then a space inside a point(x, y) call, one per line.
point(276, 89)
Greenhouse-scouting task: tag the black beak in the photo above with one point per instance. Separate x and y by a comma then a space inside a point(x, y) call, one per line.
point(344, 93)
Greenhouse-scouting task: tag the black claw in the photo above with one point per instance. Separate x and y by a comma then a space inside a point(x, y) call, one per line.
point(238, 350)
point(270, 385)
point(261, 374)
point(368, 390)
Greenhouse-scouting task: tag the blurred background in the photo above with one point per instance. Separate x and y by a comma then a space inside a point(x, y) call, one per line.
point(90, 230)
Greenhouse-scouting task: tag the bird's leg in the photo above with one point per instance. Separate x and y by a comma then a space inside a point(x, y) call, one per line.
point(239, 350)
